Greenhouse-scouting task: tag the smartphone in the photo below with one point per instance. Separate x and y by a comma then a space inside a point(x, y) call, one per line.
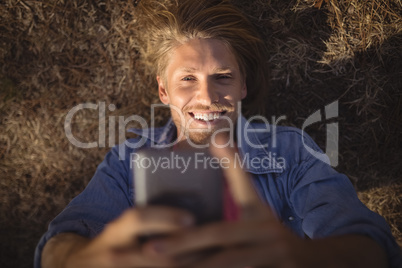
point(191, 180)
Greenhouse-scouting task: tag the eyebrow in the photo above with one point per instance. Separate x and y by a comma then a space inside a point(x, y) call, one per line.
point(222, 69)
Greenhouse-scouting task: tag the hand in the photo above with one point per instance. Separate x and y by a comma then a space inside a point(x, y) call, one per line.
point(118, 245)
point(257, 239)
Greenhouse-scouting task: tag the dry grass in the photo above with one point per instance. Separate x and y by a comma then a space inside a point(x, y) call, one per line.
point(57, 54)
point(386, 201)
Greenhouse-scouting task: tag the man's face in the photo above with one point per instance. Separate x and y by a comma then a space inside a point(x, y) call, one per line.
point(202, 85)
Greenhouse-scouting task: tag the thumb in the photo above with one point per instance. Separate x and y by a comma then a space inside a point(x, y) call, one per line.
point(240, 184)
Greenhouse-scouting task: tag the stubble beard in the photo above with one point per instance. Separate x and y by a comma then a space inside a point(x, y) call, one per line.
point(196, 136)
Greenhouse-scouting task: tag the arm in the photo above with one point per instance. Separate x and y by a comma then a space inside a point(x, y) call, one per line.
point(59, 248)
point(117, 245)
point(258, 239)
point(330, 210)
point(95, 226)
point(347, 251)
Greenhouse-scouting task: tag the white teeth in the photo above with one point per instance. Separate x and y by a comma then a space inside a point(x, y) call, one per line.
point(206, 116)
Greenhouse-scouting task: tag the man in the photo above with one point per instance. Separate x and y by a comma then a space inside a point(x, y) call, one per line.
point(207, 59)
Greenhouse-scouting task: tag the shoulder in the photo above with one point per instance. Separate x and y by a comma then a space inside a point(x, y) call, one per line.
point(286, 144)
point(289, 142)
point(281, 134)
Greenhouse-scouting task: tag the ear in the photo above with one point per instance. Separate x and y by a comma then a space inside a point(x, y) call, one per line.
point(244, 91)
point(163, 94)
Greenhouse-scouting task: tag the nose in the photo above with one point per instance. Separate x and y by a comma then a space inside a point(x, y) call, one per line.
point(207, 93)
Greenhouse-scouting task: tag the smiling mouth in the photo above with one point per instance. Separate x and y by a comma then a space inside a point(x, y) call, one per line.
point(206, 116)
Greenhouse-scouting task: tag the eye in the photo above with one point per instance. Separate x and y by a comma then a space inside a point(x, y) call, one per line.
point(224, 76)
point(188, 78)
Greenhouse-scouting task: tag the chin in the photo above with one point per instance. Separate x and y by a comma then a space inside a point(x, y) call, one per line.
point(200, 138)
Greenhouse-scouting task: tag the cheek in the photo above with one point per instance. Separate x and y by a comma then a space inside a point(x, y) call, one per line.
point(180, 97)
point(234, 94)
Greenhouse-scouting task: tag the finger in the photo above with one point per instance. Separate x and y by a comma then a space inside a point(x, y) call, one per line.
point(189, 259)
point(139, 258)
point(239, 181)
point(250, 256)
point(218, 235)
point(162, 219)
point(240, 185)
point(135, 258)
point(147, 220)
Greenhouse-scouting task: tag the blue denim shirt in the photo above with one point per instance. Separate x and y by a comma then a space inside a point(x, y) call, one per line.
point(308, 195)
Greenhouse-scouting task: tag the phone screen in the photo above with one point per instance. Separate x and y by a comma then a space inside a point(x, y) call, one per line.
point(191, 180)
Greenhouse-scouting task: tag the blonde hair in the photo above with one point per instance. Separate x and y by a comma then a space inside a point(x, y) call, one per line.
point(166, 26)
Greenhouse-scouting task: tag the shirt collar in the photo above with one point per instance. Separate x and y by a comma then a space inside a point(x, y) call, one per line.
point(250, 147)
point(160, 135)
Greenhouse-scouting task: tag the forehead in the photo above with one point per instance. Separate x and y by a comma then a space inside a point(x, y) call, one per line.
point(202, 54)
